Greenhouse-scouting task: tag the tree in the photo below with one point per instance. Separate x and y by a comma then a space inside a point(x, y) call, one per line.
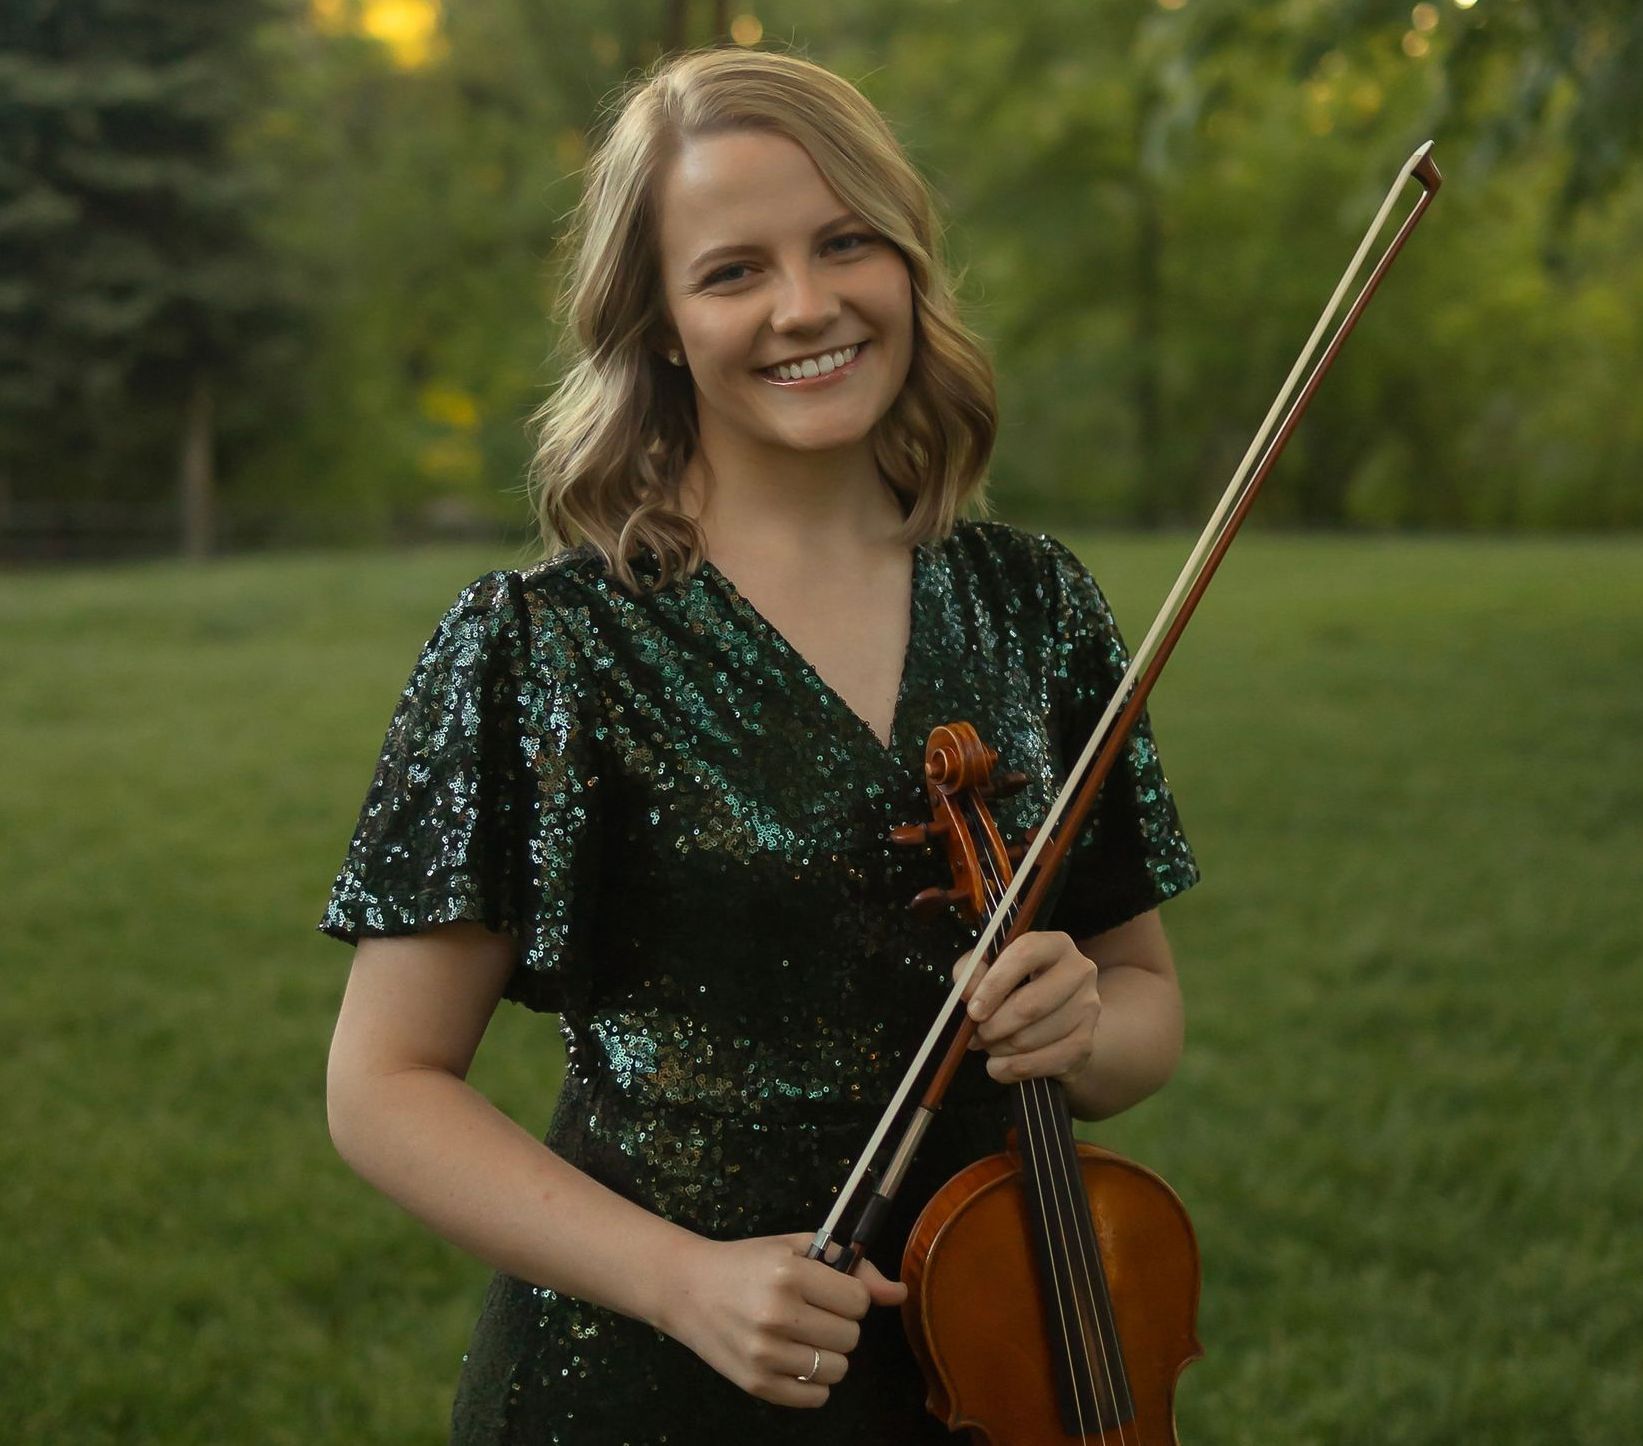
point(135, 299)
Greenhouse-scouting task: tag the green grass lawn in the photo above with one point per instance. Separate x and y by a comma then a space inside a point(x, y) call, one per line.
point(1404, 1127)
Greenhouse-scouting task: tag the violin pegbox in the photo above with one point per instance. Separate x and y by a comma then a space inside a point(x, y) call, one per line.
point(960, 773)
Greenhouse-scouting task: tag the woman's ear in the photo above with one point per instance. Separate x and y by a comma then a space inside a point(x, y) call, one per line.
point(666, 346)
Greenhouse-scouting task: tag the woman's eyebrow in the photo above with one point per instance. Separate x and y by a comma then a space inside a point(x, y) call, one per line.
point(716, 251)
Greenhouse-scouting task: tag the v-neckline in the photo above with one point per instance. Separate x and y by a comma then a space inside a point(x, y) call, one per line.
point(887, 748)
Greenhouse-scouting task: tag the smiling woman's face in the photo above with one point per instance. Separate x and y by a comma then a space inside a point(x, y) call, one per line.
point(763, 264)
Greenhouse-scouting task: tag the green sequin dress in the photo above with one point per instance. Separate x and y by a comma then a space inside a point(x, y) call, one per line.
point(686, 829)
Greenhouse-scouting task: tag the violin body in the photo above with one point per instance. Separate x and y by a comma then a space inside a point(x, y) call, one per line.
point(975, 1309)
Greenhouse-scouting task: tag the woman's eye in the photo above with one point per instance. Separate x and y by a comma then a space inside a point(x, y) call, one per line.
point(724, 273)
point(855, 236)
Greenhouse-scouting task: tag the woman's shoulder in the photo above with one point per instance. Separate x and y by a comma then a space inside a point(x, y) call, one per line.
point(508, 612)
point(1011, 554)
point(549, 595)
point(559, 579)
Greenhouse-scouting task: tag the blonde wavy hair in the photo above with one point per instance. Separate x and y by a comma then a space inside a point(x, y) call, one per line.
point(617, 431)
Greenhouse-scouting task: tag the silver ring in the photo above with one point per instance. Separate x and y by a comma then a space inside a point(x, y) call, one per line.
point(815, 1366)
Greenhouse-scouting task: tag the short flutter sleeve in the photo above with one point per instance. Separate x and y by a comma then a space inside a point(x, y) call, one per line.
point(1131, 854)
point(481, 805)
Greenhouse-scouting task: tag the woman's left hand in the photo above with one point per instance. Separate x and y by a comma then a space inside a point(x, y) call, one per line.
point(1037, 1007)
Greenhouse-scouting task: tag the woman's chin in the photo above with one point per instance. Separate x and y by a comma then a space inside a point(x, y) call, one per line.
point(823, 434)
point(815, 429)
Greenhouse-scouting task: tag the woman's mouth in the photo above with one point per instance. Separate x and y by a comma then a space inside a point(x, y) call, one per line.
point(820, 370)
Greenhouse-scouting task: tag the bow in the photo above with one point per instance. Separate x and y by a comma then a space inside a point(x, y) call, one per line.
point(1051, 840)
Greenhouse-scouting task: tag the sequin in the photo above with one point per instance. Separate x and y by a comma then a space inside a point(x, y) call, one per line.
point(686, 829)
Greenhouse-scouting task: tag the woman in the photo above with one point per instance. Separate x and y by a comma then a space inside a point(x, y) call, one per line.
point(647, 785)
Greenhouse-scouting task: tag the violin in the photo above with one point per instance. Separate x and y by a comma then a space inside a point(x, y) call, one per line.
point(1053, 1288)
point(1116, 1342)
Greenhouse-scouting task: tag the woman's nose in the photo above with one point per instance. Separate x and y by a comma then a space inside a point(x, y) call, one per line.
point(804, 303)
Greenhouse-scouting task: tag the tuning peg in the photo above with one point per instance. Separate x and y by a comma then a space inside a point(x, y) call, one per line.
point(1017, 852)
point(1009, 782)
point(931, 901)
point(916, 834)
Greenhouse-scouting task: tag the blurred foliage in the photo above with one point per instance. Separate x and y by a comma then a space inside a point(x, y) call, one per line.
point(131, 268)
point(1149, 203)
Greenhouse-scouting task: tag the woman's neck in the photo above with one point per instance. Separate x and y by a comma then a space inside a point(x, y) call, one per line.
point(816, 510)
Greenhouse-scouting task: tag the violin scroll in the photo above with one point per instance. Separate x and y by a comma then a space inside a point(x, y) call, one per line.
point(960, 766)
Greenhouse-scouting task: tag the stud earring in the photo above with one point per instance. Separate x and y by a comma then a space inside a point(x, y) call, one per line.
point(677, 358)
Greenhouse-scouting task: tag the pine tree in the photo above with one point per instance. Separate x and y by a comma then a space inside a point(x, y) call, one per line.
point(134, 298)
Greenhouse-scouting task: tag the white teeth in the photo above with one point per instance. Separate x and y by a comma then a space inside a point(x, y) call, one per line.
point(817, 366)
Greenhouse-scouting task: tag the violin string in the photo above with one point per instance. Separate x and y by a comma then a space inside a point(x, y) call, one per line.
point(1041, 1110)
point(1071, 1181)
point(1036, 1157)
point(1075, 776)
point(1038, 1092)
point(1075, 1195)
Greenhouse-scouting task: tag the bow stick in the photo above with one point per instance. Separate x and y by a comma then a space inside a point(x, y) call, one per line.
point(1112, 730)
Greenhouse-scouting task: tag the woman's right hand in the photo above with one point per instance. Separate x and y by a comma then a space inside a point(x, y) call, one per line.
point(759, 1312)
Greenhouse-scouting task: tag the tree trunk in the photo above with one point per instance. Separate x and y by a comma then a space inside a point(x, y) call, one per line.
point(198, 483)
